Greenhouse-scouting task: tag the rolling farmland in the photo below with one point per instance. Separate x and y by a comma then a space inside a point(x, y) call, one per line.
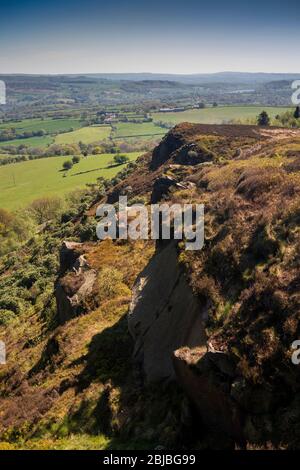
point(131, 129)
point(30, 142)
point(217, 115)
point(48, 125)
point(87, 135)
point(21, 183)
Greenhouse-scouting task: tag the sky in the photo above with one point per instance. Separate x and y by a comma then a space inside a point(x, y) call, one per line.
point(171, 36)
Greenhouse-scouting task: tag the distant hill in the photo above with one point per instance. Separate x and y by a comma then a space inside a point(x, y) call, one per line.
point(224, 77)
point(229, 77)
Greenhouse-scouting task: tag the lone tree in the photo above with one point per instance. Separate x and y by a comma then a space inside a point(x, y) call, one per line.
point(76, 159)
point(297, 113)
point(45, 208)
point(120, 159)
point(67, 165)
point(263, 119)
point(6, 221)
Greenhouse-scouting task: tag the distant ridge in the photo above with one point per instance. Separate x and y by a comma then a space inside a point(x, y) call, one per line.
point(222, 77)
point(230, 77)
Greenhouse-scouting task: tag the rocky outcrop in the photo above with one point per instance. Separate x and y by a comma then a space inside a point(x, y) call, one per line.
point(164, 315)
point(76, 286)
point(171, 142)
point(206, 378)
point(177, 147)
point(193, 154)
point(162, 186)
point(68, 254)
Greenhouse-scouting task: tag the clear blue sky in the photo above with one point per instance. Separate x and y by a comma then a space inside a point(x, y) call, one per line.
point(188, 36)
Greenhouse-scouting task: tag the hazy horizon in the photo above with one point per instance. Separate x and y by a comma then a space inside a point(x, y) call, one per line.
point(257, 72)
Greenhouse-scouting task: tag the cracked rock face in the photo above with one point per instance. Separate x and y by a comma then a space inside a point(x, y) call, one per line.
point(171, 142)
point(164, 315)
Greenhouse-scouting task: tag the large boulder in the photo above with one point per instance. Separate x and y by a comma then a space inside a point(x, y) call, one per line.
point(76, 285)
point(72, 292)
point(69, 252)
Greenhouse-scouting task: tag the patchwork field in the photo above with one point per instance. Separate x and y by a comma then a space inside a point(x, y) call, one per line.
point(30, 142)
point(49, 125)
point(21, 183)
point(87, 135)
point(217, 115)
point(131, 129)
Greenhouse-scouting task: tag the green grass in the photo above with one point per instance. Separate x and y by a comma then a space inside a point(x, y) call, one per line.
point(87, 135)
point(30, 142)
point(129, 129)
point(78, 442)
point(217, 115)
point(21, 183)
point(73, 442)
point(49, 125)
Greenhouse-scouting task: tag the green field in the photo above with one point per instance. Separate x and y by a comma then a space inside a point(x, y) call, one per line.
point(21, 183)
point(87, 135)
point(217, 115)
point(30, 142)
point(49, 125)
point(131, 129)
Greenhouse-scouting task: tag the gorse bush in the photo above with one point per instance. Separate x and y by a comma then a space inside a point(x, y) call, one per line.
point(8, 302)
point(110, 284)
point(87, 231)
point(6, 316)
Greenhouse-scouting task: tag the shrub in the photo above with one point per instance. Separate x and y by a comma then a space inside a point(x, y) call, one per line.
point(76, 159)
point(6, 316)
point(110, 284)
point(28, 278)
point(87, 232)
point(67, 165)
point(263, 119)
point(6, 221)
point(120, 159)
point(67, 216)
point(46, 208)
point(7, 302)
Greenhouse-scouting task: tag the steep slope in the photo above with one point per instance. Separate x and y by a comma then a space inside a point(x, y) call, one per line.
point(209, 330)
